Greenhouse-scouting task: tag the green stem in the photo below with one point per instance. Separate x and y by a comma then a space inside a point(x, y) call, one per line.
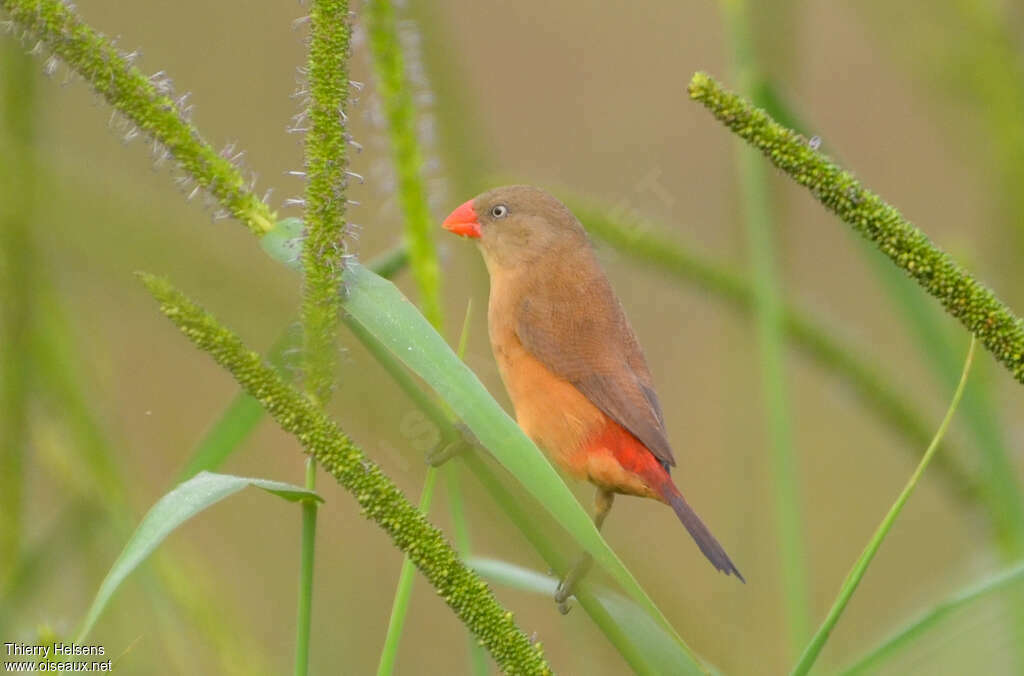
point(768, 317)
point(17, 268)
point(326, 162)
point(467, 162)
point(145, 101)
point(457, 508)
point(460, 534)
point(305, 614)
point(396, 97)
point(963, 297)
point(467, 595)
point(400, 606)
point(1002, 492)
point(860, 567)
point(322, 250)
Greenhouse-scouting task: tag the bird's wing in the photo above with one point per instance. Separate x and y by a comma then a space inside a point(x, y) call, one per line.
point(576, 327)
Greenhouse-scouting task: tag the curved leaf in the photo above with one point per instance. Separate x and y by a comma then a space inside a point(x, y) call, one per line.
point(173, 509)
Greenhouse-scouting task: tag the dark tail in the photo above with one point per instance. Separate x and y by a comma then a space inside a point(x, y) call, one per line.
point(700, 533)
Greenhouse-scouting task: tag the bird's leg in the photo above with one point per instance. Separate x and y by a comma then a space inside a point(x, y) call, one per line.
point(449, 448)
point(602, 505)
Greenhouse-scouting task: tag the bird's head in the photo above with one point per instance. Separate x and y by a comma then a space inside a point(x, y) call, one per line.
point(516, 224)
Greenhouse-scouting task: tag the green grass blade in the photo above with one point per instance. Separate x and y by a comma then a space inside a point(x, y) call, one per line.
point(513, 576)
point(182, 503)
point(17, 287)
point(918, 627)
point(460, 535)
point(1000, 489)
point(981, 415)
point(386, 315)
point(769, 322)
point(860, 567)
point(400, 606)
point(308, 549)
point(456, 506)
point(406, 154)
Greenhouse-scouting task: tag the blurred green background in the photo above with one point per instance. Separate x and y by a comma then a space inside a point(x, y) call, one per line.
point(920, 100)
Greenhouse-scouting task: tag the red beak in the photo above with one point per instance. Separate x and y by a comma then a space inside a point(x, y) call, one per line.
point(463, 221)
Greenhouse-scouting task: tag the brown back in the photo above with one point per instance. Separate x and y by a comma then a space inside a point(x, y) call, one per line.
point(571, 320)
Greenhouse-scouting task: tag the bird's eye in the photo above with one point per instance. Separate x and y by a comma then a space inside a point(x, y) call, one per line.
point(499, 211)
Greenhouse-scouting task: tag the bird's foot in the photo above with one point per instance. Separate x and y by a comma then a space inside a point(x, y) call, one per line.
point(565, 588)
point(448, 449)
point(562, 595)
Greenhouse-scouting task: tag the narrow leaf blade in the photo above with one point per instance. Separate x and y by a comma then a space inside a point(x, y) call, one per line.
point(173, 509)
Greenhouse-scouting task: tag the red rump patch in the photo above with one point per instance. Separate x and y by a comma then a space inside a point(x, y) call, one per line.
point(630, 453)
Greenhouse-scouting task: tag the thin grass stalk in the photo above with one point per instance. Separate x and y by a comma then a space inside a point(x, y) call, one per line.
point(962, 296)
point(17, 271)
point(305, 611)
point(1001, 491)
point(146, 101)
point(810, 654)
point(466, 161)
point(1009, 579)
point(403, 591)
point(407, 156)
point(323, 248)
point(463, 591)
point(457, 507)
point(400, 605)
point(768, 316)
point(460, 535)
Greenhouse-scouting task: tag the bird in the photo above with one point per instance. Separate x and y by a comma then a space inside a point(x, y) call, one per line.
point(570, 360)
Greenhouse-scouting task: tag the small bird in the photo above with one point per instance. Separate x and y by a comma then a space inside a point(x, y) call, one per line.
point(569, 359)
